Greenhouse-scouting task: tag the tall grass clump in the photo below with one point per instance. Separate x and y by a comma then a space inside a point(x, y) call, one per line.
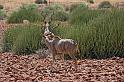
point(25, 12)
point(74, 6)
point(56, 12)
point(10, 36)
point(61, 16)
point(84, 15)
point(102, 37)
point(108, 36)
point(2, 14)
point(23, 40)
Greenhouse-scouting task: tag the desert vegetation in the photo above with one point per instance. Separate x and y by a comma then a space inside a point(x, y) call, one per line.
point(97, 31)
point(22, 39)
point(56, 12)
point(25, 12)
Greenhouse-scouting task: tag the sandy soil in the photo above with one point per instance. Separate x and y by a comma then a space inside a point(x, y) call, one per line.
point(11, 5)
point(14, 68)
point(16, 3)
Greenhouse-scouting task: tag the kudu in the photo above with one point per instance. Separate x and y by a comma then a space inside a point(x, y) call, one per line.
point(59, 46)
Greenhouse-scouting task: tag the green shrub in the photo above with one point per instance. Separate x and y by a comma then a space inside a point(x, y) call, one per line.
point(55, 12)
point(52, 8)
point(73, 7)
point(41, 1)
point(2, 15)
point(10, 36)
point(22, 39)
point(26, 12)
point(106, 35)
point(102, 37)
point(57, 7)
point(28, 41)
point(84, 15)
point(104, 4)
point(61, 16)
point(1, 7)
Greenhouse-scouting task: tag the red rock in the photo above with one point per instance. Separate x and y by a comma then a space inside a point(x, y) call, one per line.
point(2, 79)
point(12, 79)
point(19, 81)
point(67, 80)
point(31, 69)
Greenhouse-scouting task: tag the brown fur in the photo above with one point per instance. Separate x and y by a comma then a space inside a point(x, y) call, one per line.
point(57, 47)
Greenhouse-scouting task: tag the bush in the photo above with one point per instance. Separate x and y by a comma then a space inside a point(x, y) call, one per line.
point(104, 4)
point(10, 36)
point(102, 37)
point(26, 12)
point(52, 8)
point(106, 38)
point(2, 15)
point(77, 6)
point(84, 15)
point(61, 16)
point(22, 40)
point(41, 1)
point(73, 6)
point(1, 6)
point(53, 11)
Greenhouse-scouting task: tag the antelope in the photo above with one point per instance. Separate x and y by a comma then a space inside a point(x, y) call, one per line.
point(59, 46)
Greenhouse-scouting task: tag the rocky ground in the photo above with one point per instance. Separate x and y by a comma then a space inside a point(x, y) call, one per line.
point(32, 68)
